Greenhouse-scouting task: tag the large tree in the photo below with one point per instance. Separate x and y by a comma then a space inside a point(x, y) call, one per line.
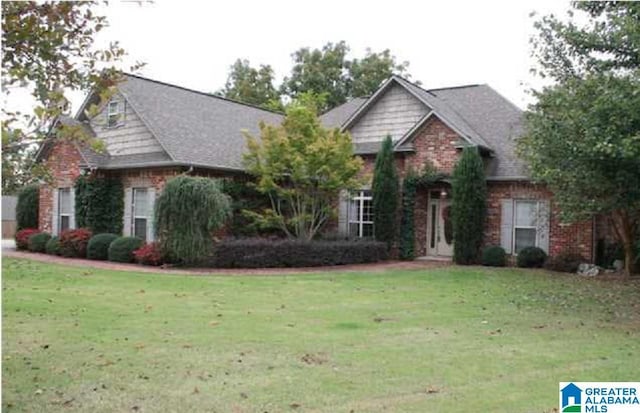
point(329, 71)
point(302, 167)
point(251, 85)
point(385, 189)
point(582, 136)
point(320, 71)
point(368, 73)
point(48, 48)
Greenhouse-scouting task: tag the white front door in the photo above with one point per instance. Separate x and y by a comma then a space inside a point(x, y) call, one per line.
point(439, 228)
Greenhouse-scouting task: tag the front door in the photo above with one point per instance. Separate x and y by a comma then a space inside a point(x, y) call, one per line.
point(439, 228)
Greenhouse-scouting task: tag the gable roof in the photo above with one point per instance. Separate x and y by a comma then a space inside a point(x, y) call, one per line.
point(479, 114)
point(194, 128)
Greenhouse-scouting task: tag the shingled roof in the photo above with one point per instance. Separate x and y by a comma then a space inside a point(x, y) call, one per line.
point(477, 112)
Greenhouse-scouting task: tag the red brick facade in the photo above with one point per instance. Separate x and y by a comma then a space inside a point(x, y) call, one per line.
point(63, 163)
point(436, 143)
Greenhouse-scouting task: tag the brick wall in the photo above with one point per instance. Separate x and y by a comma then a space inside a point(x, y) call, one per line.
point(575, 238)
point(63, 163)
point(436, 143)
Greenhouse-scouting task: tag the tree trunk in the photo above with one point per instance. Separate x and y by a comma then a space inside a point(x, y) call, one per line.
point(624, 230)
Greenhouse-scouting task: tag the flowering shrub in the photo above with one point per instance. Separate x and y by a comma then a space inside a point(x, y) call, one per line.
point(148, 254)
point(22, 237)
point(73, 242)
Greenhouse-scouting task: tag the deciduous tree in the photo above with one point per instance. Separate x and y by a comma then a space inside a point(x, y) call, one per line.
point(302, 167)
point(251, 85)
point(582, 135)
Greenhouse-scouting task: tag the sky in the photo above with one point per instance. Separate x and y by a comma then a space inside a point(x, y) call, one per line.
point(447, 43)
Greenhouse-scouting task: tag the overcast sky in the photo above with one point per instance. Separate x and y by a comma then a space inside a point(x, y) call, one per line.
point(193, 43)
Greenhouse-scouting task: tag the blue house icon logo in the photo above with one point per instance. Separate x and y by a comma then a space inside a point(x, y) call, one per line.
point(571, 398)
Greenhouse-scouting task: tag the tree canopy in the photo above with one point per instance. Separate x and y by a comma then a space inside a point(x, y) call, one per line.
point(302, 167)
point(251, 85)
point(324, 71)
point(48, 48)
point(582, 136)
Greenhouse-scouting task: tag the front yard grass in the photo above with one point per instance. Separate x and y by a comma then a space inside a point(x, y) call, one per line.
point(452, 339)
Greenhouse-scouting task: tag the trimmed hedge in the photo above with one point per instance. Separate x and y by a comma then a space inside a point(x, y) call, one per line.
point(531, 257)
point(73, 242)
point(565, 262)
point(122, 248)
point(269, 253)
point(494, 256)
point(98, 246)
point(38, 242)
point(27, 207)
point(22, 237)
point(53, 246)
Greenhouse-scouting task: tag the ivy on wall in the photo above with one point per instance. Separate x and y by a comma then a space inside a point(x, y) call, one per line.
point(412, 181)
point(99, 204)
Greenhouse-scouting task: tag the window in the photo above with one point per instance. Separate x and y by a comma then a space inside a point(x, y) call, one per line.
point(140, 213)
point(361, 214)
point(113, 114)
point(64, 209)
point(525, 225)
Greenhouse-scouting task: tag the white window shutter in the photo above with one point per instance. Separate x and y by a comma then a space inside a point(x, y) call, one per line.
point(122, 109)
point(343, 213)
point(128, 203)
point(542, 223)
point(506, 226)
point(150, 221)
point(54, 212)
point(72, 211)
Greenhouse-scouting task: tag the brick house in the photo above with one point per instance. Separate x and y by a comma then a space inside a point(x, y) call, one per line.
point(154, 131)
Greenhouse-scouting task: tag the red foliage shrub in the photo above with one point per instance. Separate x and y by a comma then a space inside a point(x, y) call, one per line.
point(73, 242)
point(148, 254)
point(22, 237)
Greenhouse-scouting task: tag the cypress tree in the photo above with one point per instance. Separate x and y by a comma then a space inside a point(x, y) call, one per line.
point(469, 206)
point(385, 194)
point(407, 222)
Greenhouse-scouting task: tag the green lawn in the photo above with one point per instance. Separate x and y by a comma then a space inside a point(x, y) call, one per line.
point(447, 340)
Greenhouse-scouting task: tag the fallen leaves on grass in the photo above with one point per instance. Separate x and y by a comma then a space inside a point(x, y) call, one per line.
point(315, 359)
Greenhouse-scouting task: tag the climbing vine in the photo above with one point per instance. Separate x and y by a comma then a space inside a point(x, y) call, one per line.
point(99, 204)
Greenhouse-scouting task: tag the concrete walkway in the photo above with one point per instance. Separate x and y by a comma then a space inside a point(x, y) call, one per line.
point(10, 251)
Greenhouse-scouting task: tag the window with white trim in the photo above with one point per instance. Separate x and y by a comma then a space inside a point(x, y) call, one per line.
point(361, 214)
point(140, 213)
point(64, 209)
point(525, 224)
point(113, 114)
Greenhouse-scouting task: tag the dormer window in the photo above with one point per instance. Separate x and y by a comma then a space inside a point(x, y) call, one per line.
point(113, 114)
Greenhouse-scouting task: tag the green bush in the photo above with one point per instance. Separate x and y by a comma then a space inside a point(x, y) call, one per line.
point(53, 246)
point(38, 242)
point(469, 208)
point(122, 248)
point(187, 212)
point(385, 194)
point(531, 257)
point(99, 203)
point(98, 246)
point(564, 262)
point(494, 256)
point(27, 207)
